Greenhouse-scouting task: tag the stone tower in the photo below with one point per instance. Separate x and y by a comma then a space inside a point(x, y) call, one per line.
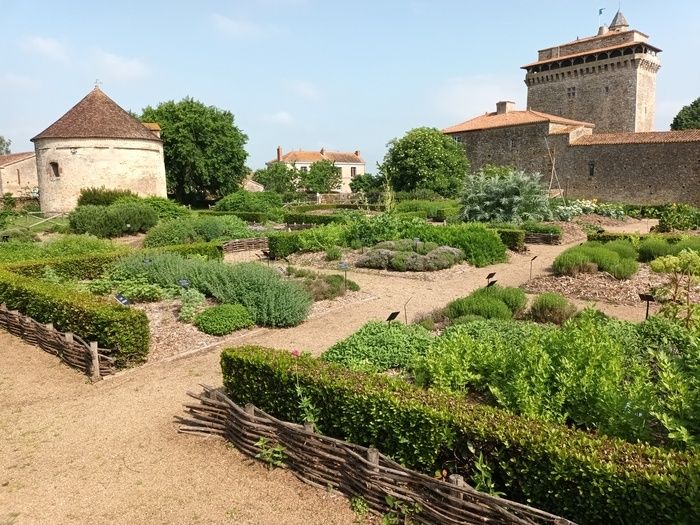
point(608, 79)
point(96, 143)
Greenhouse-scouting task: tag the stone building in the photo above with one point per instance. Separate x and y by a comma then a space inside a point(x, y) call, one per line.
point(96, 143)
point(350, 165)
point(18, 174)
point(588, 121)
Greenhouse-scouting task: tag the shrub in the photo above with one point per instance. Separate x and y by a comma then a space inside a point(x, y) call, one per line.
point(624, 269)
point(333, 253)
point(265, 202)
point(551, 307)
point(223, 319)
point(18, 235)
point(308, 218)
point(322, 287)
point(513, 239)
point(514, 298)
point(377, 258)
point(165, 208)
point(679, 217)
point(381, 346)
point(103, 196)
point(283, 244)
point(482, 305)
point(584, 477)
point(121, 329)
point(322, 238)
point(197, 229)
point(571, 262)
point(113, 220)
point(652, 247)
point(623, 248)
point(514, 196)
point(191, 303)
point(593, 256)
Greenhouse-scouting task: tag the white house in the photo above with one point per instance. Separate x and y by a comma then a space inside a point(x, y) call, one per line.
point(350, 164)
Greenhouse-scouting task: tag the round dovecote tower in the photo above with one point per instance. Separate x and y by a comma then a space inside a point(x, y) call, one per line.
point(97, 144)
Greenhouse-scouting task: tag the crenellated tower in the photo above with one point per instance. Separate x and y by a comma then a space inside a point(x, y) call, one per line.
point(608, 79)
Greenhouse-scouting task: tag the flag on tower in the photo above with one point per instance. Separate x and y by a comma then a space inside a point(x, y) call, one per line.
point(600, 11)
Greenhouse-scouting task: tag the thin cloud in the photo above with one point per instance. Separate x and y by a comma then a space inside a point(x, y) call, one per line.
point(281, 117)
point(17, 82)
point(119, 68)
point(461, 98)
point(305, 89)
point(238, 28)
point(46, 47)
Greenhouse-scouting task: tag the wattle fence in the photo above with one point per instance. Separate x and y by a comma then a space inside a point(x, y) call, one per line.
point(68, 347)
point(243, 245)
point(355, 471)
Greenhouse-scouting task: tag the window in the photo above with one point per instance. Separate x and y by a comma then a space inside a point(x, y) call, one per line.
point(353, 171)
point(19, 180)
point(607, 89)
point(303, 169)
point(591, 168)
point(55, 170)
point(571, 92)
point(512, 143)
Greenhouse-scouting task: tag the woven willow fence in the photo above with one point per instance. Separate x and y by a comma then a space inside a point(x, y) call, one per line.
point(242, 245)
point(542, 238)
point(70, 348)
point(354, 471)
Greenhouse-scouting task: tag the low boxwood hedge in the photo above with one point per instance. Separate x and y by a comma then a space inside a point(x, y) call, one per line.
point(586, 478)
point(512, 238)
point(248, 216)
point(113, 326)
point(282, 244)
point(308, 218)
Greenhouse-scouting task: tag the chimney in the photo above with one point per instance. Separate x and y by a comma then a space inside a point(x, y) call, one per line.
point(504, 106)
point(279, 153)
point(357, 152)
point(603, 30)
point(323, 151)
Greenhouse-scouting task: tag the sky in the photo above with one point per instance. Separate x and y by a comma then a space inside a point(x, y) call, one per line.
point(306, 74)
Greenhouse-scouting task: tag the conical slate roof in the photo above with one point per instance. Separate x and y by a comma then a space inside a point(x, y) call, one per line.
point(619, 21)
point(97, 116)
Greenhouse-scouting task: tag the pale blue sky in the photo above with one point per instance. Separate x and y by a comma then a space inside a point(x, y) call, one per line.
point(312, 73)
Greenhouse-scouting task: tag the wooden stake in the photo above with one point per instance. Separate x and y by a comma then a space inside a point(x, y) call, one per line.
point(95, 376)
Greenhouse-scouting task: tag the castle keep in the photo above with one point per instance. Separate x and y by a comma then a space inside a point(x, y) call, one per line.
point(589, 121)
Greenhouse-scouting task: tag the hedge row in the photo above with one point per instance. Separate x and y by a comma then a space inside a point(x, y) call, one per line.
point(632, 237)
point(583, 477)
point(513, 239)
point(248, 216)
point(308, 218)
point(310, 207)
point(113, 326)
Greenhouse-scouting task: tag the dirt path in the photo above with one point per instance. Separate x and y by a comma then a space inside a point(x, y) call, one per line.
point(72, 452)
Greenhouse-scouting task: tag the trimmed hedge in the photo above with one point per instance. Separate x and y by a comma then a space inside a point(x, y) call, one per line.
point(122, 329)
point(282, 244)
point(512, 238)
point(308, 218)
point(223, 319)
point(584, 477)
point(248, 216)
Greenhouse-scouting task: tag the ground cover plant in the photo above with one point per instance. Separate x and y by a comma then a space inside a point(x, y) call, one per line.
point(407, 255)
point(267, 203)
point(118, 218)
point(492, 302)
point(617, 258)
point(582, 476)
point(379, 346)
point(679, 217)
point(566, 211)
point(223, 319)
point(271, 300)
point(67, 245)
point(551, 307)
point(193, 229)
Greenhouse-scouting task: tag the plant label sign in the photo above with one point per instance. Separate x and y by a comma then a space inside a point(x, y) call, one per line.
point(122, 300)
point(343, 266)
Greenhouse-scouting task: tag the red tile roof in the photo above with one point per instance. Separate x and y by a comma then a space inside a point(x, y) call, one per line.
point(314, 156)
point(645, 137)
point(591, 52)
point(97, 116)
point(512, 118)
point(6, 160)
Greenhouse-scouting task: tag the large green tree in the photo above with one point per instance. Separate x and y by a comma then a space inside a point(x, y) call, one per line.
point(204, 150)
point(688, 117)
point(4, 145)
point(277, 177)
point(322, 177)
point(426, 158)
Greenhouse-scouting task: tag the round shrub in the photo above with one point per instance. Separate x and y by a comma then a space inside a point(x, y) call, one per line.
point(165, 208)
point(573, 262)
point(176, 231)
point(514, 298)
point(266, 202)
point(623, 248)
point(221, 227)
point(653, 247)
point(190, 229)
point(378, 258)
point(113, 220)
point(103, 196)
point(479, 304)
point(624, 269)
point(223, 319)
point(468, 318)
point(551, 307)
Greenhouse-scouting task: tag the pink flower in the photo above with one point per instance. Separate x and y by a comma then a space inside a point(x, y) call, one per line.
point(296, 353)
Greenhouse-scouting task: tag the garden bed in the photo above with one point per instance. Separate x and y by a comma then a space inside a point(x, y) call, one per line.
point(601, 286)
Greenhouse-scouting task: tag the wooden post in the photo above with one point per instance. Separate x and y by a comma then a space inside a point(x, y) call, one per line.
point(308, 426)
point(49, 326)
point(457, 481)
point(250, 409)
point(373, 457)
point(69, 337)
point(95, 376)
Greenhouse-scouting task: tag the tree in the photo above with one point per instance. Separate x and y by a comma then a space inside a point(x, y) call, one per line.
point(367, 183)
point(278, 177)
point(4, 145)
point(323, 177)
point(688, 117)
point(426, 158)
point(203, 148)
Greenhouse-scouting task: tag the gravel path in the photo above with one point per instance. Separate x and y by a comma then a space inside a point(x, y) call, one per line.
point(72, 452)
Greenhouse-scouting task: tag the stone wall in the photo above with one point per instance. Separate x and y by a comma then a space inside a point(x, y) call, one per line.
point(615, 94)
point(131, 164)
point(19, 178)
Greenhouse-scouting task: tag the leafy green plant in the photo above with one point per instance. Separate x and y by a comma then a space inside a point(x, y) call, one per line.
point(270, 453)
point(380, 346)
point(191, 303)
point(192, 229)
point(482, 476)
point(223, 319)
point(551, 307)
point(114, 220)
point(684, 269)
point(103, 196)
point(359, 506)
point(266, 202)
point(594, 256)
point(333, 253)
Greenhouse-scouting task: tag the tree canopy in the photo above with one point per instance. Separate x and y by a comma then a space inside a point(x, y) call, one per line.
point(4, 145)
point(277, 177)
point(688, 117)
point(426, 158)
point(366, 182)
point(322, 177)
point(204, 150)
